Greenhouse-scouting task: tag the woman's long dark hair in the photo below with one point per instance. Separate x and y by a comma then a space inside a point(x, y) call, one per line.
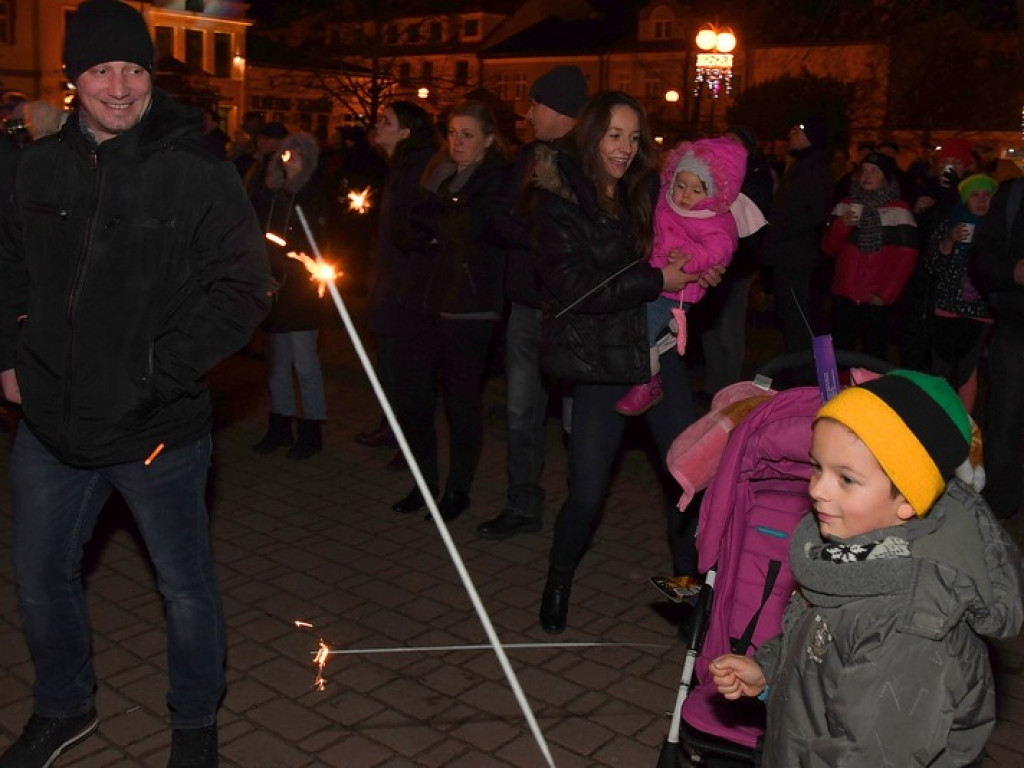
point(422, 129)
point(635, 189)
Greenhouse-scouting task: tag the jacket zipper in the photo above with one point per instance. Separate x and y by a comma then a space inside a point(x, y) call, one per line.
point(76, 283)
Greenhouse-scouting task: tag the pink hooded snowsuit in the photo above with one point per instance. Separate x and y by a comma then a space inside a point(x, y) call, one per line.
point(707, 232)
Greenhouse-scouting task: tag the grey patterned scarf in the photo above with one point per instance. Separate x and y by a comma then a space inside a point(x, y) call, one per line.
point(868, 237)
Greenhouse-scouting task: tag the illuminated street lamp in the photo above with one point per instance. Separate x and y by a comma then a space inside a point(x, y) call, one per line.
point(713, 71)
point(714, 62)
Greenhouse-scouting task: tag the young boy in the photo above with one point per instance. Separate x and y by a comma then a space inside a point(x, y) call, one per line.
point(901, 570)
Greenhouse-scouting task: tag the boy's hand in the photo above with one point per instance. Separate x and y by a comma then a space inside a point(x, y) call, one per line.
point(737, 676)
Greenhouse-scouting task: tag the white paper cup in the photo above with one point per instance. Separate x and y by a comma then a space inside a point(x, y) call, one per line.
point(968, 232)
point(856, 209)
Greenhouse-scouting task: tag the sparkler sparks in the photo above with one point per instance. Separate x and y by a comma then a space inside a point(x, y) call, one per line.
point(276, 239)
point(303, 624)
point(320, 659)
point(435, 514)
point(286, 156)
point(359, 201)
point(319, 271)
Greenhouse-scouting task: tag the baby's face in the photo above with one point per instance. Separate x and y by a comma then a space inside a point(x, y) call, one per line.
point(688, 190)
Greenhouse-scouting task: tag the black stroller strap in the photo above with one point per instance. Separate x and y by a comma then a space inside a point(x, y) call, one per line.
point(741, 644)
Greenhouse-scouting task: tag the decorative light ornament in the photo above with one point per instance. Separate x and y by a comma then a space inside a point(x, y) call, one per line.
point(714, 62)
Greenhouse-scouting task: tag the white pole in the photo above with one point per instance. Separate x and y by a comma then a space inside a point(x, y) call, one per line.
point(428, 497)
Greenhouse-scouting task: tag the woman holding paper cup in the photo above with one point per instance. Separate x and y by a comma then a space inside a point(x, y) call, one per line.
point(961, 316)
point(873, 237)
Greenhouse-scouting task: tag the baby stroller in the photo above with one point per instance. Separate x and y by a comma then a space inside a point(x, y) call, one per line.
point(752, 504)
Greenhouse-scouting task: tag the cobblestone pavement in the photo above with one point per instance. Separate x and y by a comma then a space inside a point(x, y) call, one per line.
point(317, 541)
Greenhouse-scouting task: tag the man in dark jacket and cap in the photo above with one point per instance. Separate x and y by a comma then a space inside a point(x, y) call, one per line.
point(556, 99)
point(130, 263)
point(791, 245)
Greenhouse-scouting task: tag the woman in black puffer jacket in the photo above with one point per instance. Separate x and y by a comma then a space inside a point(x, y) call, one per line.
point(592, 207)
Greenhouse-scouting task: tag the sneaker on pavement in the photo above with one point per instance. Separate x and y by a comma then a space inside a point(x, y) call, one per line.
point(194, 748)
point(641, 397)
point(44, 738)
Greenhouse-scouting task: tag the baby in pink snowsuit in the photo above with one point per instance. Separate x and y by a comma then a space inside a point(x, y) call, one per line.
point(700, 183)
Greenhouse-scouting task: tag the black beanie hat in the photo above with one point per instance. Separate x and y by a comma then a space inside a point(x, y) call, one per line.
point(106, 30)
point(563, 89)
point(885, 164)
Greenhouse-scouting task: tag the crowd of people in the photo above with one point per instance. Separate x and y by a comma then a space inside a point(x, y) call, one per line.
point(589, 254)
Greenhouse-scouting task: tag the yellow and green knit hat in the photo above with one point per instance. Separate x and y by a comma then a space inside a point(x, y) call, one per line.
point(914, 424)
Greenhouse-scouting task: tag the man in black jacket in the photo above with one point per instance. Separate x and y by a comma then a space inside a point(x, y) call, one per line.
point(792, 242)
point(130, 263)
point(556, 98)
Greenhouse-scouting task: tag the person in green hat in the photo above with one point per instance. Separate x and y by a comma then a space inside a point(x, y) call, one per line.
point(902, 570)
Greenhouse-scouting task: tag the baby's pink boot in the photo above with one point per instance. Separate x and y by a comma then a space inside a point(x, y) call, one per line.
point(641, 397)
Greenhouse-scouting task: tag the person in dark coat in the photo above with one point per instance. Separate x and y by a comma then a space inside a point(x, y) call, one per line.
point(556, 99)
point(593, 231)
point(791, 244)
point(297, 314)
point(407, 136)
point(997, 268)
point(454, 286)
point(130, 264)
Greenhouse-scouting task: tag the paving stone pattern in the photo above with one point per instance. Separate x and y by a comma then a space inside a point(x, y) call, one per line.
point(317, 541)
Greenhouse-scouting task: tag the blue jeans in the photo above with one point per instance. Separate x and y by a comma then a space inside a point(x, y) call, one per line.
point(724, 340)
point(659, 312)
point(295, 349)
point(56, 507)
point(526, 404)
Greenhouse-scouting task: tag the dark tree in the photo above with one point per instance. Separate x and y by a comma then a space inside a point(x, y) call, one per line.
point(773, 107)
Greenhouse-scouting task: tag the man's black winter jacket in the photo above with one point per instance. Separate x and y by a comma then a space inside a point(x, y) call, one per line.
point(126, 272)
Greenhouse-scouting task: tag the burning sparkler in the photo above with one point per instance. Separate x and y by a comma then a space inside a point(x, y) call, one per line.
point(319, 271)
point(359, 201)
point(421, 484)
point(286, 156)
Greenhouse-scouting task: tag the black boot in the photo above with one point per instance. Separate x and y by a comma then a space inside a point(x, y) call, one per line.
point(452, 505)
point(554, 606)
point(309, 443)
point(279, 434)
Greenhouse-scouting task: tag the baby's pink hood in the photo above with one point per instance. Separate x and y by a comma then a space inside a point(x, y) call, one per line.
point(725, 159)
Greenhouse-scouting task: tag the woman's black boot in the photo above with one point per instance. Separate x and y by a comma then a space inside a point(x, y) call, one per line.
point(309, 442)
point(554, 606)
point(279, 434)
